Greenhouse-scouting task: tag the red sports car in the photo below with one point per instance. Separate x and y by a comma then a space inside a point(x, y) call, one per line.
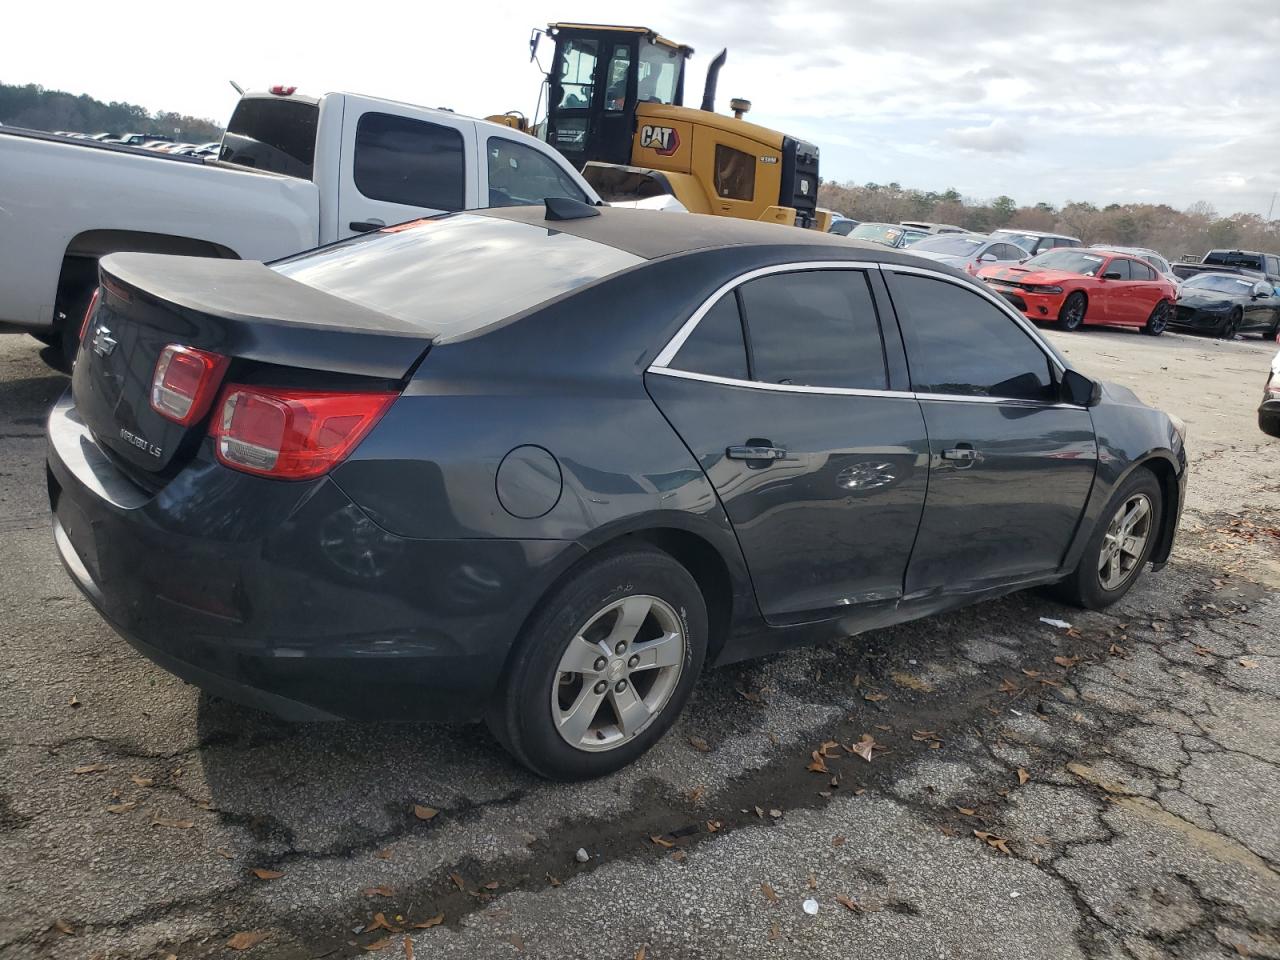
point(1076, 286)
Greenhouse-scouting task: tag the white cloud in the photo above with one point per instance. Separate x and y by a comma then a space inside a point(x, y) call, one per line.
point(998, 136)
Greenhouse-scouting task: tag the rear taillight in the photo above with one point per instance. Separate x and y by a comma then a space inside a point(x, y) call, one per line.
point(292, 434)
point(88, 314)
point(185, 382)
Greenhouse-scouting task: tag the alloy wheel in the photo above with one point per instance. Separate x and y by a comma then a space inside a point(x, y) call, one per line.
point(1125, 542)
point(1160, 319)
point(1073, 313)
point(618, 672)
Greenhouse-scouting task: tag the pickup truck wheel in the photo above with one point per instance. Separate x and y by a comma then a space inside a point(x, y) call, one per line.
point(69, 329)
point(604, 667)
point(1159, 319)
point(1071, 316)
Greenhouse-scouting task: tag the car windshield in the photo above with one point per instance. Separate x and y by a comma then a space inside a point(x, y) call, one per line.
point(951, 245)
point(1068, 261)
point(877, 233)
point(1027, 241)
point(439, 273)
point(1219, 283)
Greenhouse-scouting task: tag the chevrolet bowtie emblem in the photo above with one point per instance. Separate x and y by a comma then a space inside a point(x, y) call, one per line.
point(103, 342)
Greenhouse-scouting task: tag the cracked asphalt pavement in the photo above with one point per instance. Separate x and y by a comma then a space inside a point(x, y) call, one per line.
point(1108, 791)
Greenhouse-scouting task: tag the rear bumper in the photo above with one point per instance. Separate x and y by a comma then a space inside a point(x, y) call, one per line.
point(286, 596)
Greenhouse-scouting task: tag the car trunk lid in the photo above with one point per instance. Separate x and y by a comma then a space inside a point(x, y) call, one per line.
point(252, 315)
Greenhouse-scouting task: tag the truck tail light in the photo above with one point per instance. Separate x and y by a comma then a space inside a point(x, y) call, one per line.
point(185, 382)
point(88, 314)
point(283, 90)
point(292, 434)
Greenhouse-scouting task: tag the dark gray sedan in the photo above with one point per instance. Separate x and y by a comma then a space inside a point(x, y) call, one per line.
point(542, 467)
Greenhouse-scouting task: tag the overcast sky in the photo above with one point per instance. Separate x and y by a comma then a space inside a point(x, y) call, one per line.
point(1107, 101)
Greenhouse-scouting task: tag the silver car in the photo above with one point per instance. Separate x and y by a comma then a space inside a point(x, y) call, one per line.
point(969, 252)
point(1160, 264)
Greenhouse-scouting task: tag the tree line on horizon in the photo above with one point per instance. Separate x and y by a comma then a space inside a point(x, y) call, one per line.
point(1174, 233)
point(31, 105)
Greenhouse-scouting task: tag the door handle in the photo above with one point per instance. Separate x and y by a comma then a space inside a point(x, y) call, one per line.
point(962, 452)
point(364, 226)
point(754, 452)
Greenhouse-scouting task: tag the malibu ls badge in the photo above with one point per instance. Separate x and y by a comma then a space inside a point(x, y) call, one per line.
point(103, 342)
point(142, 443)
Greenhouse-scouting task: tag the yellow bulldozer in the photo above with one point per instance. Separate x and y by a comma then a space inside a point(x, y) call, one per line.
point(615, 108)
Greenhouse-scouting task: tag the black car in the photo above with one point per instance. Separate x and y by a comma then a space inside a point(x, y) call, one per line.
point(1225, 304)
point(541, 467)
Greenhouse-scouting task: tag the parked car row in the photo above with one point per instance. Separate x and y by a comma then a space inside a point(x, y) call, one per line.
point(150, 141)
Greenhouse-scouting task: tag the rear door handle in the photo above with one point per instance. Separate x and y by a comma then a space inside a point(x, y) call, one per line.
point(753, 452)
point(365, 226)
point(962, 452)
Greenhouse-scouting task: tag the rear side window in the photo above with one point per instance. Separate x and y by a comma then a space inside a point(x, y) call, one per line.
point(1273, 266)
point(520, 175)
point(1007, 251)
point(735, 173)
point(716, 346)
point(960, 344)
point(272, 134)
point(401, 160)
point(1139, 270)
point(815, 328)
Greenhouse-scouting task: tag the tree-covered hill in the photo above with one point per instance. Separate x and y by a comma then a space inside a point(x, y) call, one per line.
point(30, 105)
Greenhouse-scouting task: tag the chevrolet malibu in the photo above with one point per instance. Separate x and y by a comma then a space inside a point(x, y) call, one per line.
point(541, 467)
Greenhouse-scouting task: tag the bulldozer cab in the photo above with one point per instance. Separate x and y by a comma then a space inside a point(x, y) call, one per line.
point(598, 76)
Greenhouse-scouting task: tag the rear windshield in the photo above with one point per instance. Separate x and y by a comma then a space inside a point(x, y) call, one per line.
point(877, 233)
point(1234, 258)
point(453, 275)
point(272, 134)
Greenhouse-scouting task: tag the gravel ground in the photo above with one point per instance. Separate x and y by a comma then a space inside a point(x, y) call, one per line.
point(1108, 791)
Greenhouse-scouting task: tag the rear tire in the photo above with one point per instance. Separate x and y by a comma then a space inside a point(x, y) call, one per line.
point(68, 335)
point(1113, 559)
point(1158, 322)
point(569, 693)
point(1071, 314)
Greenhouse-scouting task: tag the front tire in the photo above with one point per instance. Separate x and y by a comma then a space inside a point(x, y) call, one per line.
point(1158, 322)
point(604, 666)
point(1232, 325)
point(1071, 314)
point(1120, 546)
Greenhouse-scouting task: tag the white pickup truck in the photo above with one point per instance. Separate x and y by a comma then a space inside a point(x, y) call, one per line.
point(294, 172)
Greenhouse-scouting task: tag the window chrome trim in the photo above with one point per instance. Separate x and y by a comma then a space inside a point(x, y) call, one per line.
point(668, 353)
point(853, 391)
point(999, 301)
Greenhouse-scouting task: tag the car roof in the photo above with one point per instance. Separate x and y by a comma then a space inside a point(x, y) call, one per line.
point(1035, 233)
point(651, 234)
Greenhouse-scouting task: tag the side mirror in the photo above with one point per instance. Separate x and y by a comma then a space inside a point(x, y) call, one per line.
point(1111, 275)
point(987, 257)
point(1079, 389)
point(1261, 289)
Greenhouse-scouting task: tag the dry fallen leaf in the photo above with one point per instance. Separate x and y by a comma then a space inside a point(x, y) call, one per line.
point(695, 795)
point(713, 826)
point(864, 747)
point(1248, 664)
point(170, 822)
point(377, 944)
point(64, 928)
point(837, 841)
point(663, 842)
point(818, 764)
point(379, 922)
point(847, 902)
point(991, 840)
point(458, 881)
point(554, 881)
point(379, 891)
point(678, 856)
point(967, 811)
point(1067, 662)
point(910, 682)
point(1031, 673)
point(812, 882)
point(408, 948)
point(246, 939)
point(122, 807)
point(141, 781)
point(875, 697)
point(769, 893)
point(264, 874)
point(775, 931)
point(640, 954)
point(700, 745)
point(384, 854)
point(225, 853)
point(92, 768)
point(1023, 776)
point(517, 941)
point(491, 885)
point(1008, 686)
point(423, 812)
point(430, 922)
point(73, 702)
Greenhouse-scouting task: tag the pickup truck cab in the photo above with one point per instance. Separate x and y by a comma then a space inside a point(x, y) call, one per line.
point(294, 172)
point(1248, 263)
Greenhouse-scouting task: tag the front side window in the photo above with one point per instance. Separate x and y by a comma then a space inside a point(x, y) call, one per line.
point(659, 73)
point(814, 328)
point(735, 173)
point(402, 160)
point(716, 346)
point(577, 74)
point(963, 345)
point(520, 175)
